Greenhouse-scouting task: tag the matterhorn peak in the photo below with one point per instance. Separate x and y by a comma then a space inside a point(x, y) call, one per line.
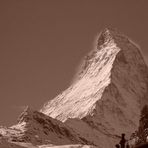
point(111, 89)
point(117, 60)
point(105, 37)
point(110, 42)
point(109, 36)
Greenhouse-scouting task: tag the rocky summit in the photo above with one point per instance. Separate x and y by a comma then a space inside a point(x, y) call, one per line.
point(104, 101)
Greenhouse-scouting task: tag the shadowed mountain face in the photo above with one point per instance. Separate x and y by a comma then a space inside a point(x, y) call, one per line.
point(103, 102)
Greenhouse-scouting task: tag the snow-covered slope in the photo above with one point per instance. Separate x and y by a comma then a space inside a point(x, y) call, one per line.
point(35, 128)
point(107, 97)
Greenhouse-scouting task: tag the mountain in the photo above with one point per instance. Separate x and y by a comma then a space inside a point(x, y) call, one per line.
point(35, 128)
point(104, 101)
point(108, 94)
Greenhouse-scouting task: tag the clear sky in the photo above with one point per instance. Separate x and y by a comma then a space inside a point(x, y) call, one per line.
point(43, 41)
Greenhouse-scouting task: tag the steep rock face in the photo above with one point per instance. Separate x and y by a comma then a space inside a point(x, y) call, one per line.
point(140, 137)
point(109, 92)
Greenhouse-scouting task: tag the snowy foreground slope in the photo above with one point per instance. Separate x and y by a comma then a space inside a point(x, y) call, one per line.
point(35, 129)
point(103, 102)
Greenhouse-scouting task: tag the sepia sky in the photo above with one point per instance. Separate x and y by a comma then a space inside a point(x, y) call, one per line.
point(43, 41)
